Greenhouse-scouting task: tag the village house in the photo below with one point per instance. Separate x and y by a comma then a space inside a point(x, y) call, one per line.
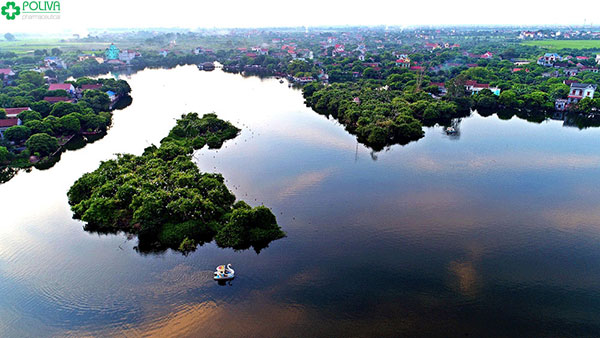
point(474, 87)
point(441, 86)
point(54, 62)
point(128, 55)
point(432, 46)
point(163, 52)
point(403, 63)
point(580, 91)
point(112, 96)
point(487, 55)
point(63, 86)
point(54, 99)
point(303, 80)
point(12, 113)
point(551, 74)
point(571, 72)
point(549, 59)
point(6, 72)
point(115, 62)
point(7, 123)
point(561, 104)
point(83, 57)
point(589, 69)
point(598, 59)
point(96, 86)
point(323, 77)
point(521, 62)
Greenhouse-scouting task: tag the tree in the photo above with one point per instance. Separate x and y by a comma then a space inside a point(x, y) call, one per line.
point(42, 144)
point(39, 127)
point(538, 100)
point(97, 100)
point(456, 86)
point(92, 122)
point(4, 154)
point(60, 109)
point(35, 78)
point(50, 73)
point(369, 73)
point(558, 91)
point(69, 124)
point(29, 115)
point(485, 99)
point(2, 113)
point(9, 37)
point(508, 99)
point(17, 133)
point(40, 52)
point(56, 51)
point(42, 107)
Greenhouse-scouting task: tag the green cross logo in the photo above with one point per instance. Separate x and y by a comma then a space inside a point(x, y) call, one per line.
point(11, 10)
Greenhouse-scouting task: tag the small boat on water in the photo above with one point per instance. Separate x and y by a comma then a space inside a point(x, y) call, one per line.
point(224, 273)
point(280, 81)
point(450, 130)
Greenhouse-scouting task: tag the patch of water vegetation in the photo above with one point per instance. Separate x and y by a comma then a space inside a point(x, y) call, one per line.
point(163, 198)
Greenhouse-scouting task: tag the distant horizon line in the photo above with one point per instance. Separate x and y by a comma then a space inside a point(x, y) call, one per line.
point(590, 26)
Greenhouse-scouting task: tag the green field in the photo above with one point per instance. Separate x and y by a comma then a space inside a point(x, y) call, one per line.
point(560, 44)
point(29, 45)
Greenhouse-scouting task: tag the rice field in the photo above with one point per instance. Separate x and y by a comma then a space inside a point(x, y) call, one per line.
point(560, 44)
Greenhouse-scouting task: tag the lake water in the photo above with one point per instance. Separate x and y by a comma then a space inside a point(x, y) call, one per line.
point(495, 231)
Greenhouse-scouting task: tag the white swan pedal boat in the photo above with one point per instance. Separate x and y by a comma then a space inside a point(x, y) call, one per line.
point(224, 273)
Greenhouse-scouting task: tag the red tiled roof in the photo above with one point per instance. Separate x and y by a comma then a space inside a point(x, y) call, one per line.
point(8, 123)
point(91, 86)
point(15, 111)
point(5, 71)
point(60, 86)
point(54, 99)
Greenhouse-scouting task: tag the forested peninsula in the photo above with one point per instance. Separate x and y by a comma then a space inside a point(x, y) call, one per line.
point(163, 198)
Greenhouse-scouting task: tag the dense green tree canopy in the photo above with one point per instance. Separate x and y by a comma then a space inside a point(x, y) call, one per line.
point(163, 198)
point(17, 133)
point(42, 144)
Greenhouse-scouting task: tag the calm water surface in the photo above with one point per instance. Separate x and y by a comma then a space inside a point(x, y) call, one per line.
point(493, 232)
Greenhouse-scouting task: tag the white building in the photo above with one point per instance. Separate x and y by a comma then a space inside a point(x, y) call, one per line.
point(580, 91)
point(128, 55)
point(549, 59)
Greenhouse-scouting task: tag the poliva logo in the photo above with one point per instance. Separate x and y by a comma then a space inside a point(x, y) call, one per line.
point(11, 10)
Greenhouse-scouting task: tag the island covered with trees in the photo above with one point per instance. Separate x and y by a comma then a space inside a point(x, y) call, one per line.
point(163, 198)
